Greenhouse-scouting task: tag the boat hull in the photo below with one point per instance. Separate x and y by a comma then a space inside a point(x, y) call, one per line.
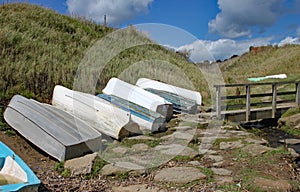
point(96, 112)
point(152, 84)
point(180, 104)
point(139, 96)
point(56, 132)
point(147, 120)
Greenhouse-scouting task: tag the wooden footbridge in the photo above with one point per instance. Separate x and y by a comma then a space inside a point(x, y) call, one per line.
point(255, 103)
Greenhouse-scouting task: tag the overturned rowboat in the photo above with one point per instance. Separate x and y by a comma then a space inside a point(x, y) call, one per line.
point(56, 132)
point(152, 84)
point(139, 96)
point(145, 118)
point(15, 175)
point(96, 112)
point(180, 104)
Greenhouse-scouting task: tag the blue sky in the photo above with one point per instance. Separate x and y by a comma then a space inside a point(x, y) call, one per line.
point(222, 27)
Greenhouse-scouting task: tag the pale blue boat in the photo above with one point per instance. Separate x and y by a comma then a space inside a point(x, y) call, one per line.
point(15, 175)
point(146, 118)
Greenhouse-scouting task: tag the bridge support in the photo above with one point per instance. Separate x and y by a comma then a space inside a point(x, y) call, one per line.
point(248, 103)
point(298, 94)
point(218, 102)
point(274, 100)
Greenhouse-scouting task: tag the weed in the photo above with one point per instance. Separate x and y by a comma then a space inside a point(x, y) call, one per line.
point(59, 167)
point(290, 130)
point(291, 112)
point(130, 142)
point(123, 176)
point(97, 166)
point(181, 158)
point(208, 172)
point(66, 173)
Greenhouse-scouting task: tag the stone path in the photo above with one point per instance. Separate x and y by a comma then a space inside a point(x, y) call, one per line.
point(188, 154)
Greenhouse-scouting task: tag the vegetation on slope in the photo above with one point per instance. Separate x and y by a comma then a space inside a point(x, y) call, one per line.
point(267, 60)
point(41, 48)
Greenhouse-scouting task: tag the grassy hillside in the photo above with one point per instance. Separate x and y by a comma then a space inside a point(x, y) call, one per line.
point(268, 60)
point(41, 48)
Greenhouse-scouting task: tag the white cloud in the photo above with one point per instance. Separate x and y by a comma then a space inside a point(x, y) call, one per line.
point(238, 17)
point(202, 50)
point(298, 31)
point(116, 11)
point(289, 40)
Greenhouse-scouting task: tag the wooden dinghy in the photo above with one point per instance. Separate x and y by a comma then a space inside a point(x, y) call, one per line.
point(152, 84)
point(180, 104)
point(56, 132)
point(139, 96)
point(96, 112)
point(145, 118)
point(15, 175)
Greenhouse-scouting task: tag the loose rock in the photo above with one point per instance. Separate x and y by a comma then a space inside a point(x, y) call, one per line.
point(82, 165)
point(179, 175)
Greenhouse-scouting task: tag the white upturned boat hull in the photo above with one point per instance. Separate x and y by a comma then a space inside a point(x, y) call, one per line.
point(56, 132)
point(139, 96)
point(152, 84)
point(147, 120)
point(96, 112)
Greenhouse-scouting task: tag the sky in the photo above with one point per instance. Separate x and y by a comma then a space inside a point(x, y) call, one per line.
point(220, 27)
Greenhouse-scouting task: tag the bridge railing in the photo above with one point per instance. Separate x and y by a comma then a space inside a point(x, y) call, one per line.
point(274, 85)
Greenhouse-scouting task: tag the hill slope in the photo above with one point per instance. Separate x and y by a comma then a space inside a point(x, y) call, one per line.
point(41, 48)
point(267, 60)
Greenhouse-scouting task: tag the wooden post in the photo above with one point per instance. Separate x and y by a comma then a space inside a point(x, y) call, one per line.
point(218, 102)
point(298, 94)
point(104, 23)
point(274, 100)
point(248, 103)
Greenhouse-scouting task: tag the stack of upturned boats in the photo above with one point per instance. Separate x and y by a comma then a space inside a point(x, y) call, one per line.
point(15, 175)
point(139, 96)
point(76, 122)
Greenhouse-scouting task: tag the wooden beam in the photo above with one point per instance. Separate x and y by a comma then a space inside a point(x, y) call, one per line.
point(248, 102)
point(258, 95)
point(274, 99)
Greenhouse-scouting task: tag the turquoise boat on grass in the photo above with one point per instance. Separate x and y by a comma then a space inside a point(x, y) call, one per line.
point(15, 175)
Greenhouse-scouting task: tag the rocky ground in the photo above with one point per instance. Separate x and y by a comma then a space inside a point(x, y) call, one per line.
point(193, 154)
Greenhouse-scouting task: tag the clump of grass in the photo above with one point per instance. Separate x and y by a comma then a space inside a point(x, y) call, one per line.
point(181, 158)
point(97, 166)
point(130, 142)
point(4, 126)
point(291, 112)
point(290, 130)
point(59, 167)
point(123, 175)
point(66, 173)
